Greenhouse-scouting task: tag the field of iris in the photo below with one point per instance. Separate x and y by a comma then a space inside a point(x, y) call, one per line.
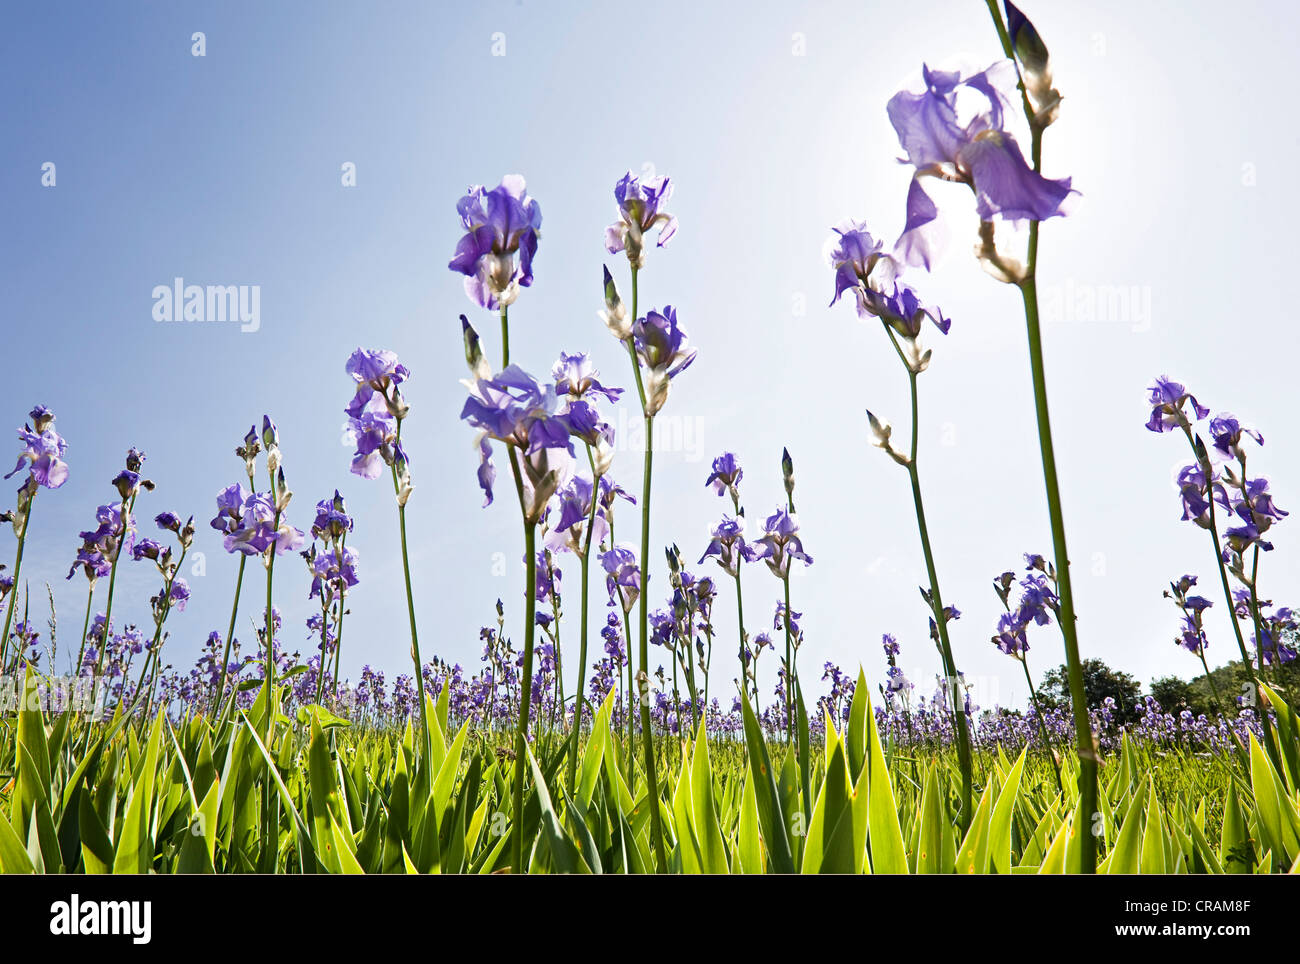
point(732, 758)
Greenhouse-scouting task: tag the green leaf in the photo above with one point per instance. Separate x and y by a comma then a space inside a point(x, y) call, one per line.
point(771, 820)
point(885, 834)
point(564, 855)
point(1126, 858)
point(704, 814)
point(1000, 824)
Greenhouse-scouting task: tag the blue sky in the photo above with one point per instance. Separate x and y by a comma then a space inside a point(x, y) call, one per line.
point(226, 169)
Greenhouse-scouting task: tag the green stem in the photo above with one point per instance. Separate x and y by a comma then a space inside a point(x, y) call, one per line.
point(525, 693)
point(415, 639)
point(85, 630)
point(1078, 696)
point(125, 512)
point(220, 695)
point(582, 640)
point(1084, 744)
point(1042, 724)
point(789, 659)
point(269, 640)
point(643, 696)
point(18, 569)
point(338, 619)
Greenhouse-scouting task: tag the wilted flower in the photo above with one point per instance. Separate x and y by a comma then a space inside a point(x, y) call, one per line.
point(639, 212)
point(501, 225)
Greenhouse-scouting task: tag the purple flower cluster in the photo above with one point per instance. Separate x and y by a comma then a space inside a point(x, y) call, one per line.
point(502, 227)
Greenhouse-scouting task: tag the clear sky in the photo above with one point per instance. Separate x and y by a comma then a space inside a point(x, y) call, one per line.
point(226, 169)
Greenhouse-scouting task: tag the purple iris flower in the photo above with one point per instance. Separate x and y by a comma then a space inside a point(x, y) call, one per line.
point(92, 563)
point(148, 549)
point(728, 544)
point(575, 377)
point(43, 451)
point(500, 225)
point(1037, 599)
point(622, 575)
point(980, 153)
point(855, 256)
point(1167, 399)
point(180, 593)
point(780, 543)
point(230, 508)
point(1258, 503)
point(1010, 637)
point(332, 520)
point(168, 521)
point(376, 371)
point(1195, 492)
point(1227, 433)
point(860, 267)
point(374, 433)
point(726, 474)
point(515, 409)
point(332, 574)
point(896, 681)
point(664, 352)
point(639, 212)
point(586, 423)
point(569, 533)
point(257, 533)
point(548, 577)
point(661, 628)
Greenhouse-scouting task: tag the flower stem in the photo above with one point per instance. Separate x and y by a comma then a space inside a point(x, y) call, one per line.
point(525, 693)
point(85, 629)
point(269, 641)
point(18, 568)
point(230, 635)
point(643, 696)
point(1084, 743)
point(582, 640)
point(1078, 696)
point(1042, 724)
point(415, 639)
point(125, 513)
point(789, 659)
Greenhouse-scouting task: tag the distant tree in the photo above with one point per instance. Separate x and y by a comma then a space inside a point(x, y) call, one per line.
point(1175, 695)
point(1099, 682)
